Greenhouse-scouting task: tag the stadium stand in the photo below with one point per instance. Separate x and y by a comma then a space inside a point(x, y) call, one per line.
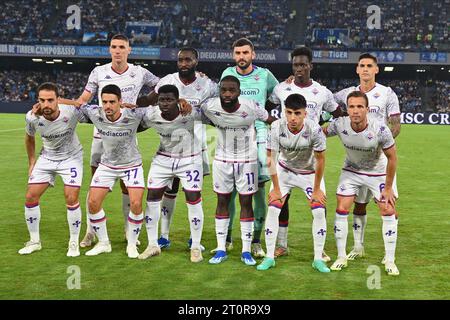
point(405, 24)
point(411, 25)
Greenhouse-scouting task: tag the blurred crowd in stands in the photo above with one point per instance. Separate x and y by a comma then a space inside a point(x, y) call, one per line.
point(405, 24)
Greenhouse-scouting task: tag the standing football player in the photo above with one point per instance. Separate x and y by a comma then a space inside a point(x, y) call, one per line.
point(256, 84)
point(384, 107)
point(371, 162)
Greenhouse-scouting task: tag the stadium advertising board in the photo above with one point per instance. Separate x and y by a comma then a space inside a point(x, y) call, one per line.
point(408, 117)
point(389, 56)
point(439, 57)
point(72, 51)
point(425, 118)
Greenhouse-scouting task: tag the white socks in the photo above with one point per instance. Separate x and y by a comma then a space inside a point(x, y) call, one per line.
point(151, 221)
point(221, 231)
point(32, 218)
point(74, 220)
point(195, 214)
point(272, 229)
point(359, 225)
point(98, 223)
point(319, 230)
point(340, 232)
point(282, 237)
point(247, 233)
point(168, 204)
point(134, 227)
point(390, 236)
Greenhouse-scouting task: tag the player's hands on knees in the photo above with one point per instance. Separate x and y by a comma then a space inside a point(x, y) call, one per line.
point(185, 107)
point(128, 105)
point(290, 79)
point(36, 109)
point(319, 196)
point(387, 195)
point(275, 195)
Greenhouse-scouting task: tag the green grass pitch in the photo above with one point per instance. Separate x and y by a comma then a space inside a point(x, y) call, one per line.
point(422, 251)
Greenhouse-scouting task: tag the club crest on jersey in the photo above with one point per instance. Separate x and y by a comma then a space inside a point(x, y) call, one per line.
point(244, 114)
point(198, 87)
point(382, 128)
point(97, 180)
point(376, 95)
point(65, 119)
point(256, 78)
point(370, 136)
point(125, 120)
point(31, 178)
point(108, 77)
point(305, 135)
point(315, 91)
point(288, 89)
point(132, 74)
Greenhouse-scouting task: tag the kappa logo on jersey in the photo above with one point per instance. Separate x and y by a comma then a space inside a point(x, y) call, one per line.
point(184, 121)
point(217, 113)
point(288, 89)
point(108, 77)
point(216, 185)
point(250, 189)
point(345, 132)
point(100, 119)
point(284, 135)
point(65, 119)
point(342, 187)
point(40, 124)
point(382, 128)
point(195, 186)
point(135, 182)
point(72, 181)
point(97, 180)
point(31, 177)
